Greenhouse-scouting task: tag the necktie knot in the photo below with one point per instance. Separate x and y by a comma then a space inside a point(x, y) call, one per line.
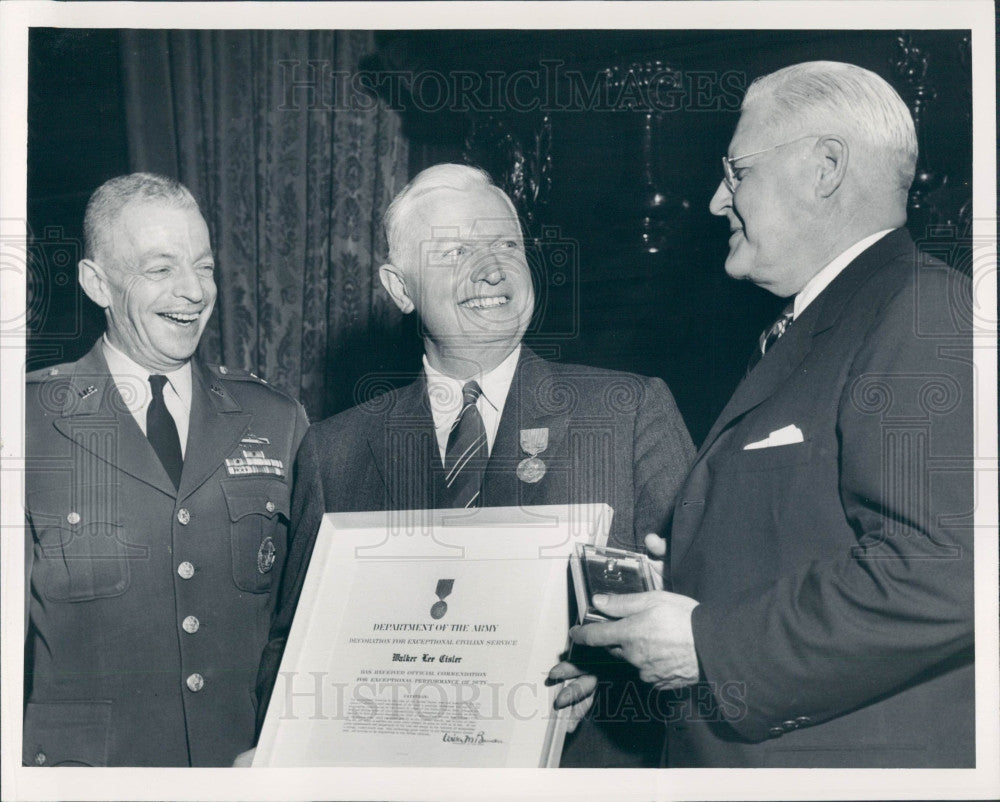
point(157, 381)
point(470, 393)
point(772, 334)
point(778, 328)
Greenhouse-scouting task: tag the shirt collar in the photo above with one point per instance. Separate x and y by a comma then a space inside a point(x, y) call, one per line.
point(133, 379)
point(827, 274)
point(445, 393)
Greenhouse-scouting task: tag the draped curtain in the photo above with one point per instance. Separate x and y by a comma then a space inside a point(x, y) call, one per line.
point(293, 182)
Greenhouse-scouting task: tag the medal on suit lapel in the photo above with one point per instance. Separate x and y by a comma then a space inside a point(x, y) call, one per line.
point(533, 441)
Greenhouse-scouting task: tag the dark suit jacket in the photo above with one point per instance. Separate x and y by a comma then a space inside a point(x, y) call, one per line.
point(118, 560)
point(613, 437)
point(835, 574)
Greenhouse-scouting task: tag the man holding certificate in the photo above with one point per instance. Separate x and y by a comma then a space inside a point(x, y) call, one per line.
point(487, 423)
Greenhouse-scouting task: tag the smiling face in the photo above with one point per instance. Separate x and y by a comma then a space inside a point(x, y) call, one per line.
point(467, 277)
point(157, 283)
point(768, 213)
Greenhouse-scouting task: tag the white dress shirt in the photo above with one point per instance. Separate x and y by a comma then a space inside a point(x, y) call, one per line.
point(445, 394)
point(822, 279)
point(133, 384)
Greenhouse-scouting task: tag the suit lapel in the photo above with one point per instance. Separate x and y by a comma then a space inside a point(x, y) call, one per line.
point(523, 409)
point(216, 426)
point(767, 376)
point(93, 407)
point(405, 450)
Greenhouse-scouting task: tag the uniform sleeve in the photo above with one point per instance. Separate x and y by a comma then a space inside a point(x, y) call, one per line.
point(307, 514)
point(662, 454)
point(841, 633)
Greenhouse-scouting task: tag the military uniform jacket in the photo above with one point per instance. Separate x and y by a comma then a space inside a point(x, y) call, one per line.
point(148, 607)
point(613, 437)
point(835, 573)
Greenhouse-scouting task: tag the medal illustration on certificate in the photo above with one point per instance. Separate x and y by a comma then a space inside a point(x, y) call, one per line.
point(440, 607)
point(533, 442)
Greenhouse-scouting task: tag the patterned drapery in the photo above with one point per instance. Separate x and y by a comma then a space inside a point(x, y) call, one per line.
point(293, 180)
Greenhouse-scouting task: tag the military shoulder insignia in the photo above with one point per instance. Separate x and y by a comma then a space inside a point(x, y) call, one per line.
point(45, 374)
point(236, 374)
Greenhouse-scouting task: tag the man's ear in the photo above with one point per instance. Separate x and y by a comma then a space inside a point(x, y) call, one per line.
point(94, 280)
point(392, 279)
point(834, 155)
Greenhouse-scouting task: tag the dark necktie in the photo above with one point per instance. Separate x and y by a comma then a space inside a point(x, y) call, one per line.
point(771, 335)
point(466, 455)
point(162, 431)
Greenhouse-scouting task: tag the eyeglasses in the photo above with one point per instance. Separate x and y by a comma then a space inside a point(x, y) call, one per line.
point(729, 174)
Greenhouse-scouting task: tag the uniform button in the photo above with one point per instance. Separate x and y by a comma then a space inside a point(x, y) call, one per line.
point(191, 625)
point(186, 570)
point(223, 370)
point(803, 721)
point(195, 682)
point(40, 758)
point(789, 725)
point(775, 732)
point(73, 518)
point(183, 516)
point(269, 506)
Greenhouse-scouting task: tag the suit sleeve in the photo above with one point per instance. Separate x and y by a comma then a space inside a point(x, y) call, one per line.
point(29, 562)
point(840, 633)
point(662, 455)
point(307, 514)
point(301, 425)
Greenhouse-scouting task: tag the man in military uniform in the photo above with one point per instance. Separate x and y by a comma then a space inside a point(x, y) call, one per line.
point(157, 499)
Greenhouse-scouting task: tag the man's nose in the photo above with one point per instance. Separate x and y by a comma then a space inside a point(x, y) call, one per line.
point(721, 200)
point(489, 269)
point(188, 285)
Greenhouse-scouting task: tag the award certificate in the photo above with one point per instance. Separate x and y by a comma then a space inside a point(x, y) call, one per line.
point(430, 647)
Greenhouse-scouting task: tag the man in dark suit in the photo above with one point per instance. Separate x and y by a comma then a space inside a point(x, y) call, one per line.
point(157, 500)
point(528, 431)
point(821, 554)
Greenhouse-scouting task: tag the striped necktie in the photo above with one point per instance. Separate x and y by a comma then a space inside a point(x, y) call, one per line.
point(771, 335)
point(466, 454)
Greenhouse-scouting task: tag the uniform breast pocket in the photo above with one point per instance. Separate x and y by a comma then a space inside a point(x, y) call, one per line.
point(258, 514)
point(80, 548)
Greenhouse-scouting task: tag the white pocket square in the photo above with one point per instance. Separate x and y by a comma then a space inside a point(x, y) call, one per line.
point(779, 437)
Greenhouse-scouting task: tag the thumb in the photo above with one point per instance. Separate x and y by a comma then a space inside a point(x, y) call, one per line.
point(623, 604)
point(656, 546)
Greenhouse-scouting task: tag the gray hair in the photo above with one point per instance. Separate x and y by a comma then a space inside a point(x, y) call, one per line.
point(460, 177)
point(115, 194)
point(817, 92)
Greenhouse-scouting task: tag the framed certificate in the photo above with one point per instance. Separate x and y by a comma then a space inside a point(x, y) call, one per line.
point(430, 648)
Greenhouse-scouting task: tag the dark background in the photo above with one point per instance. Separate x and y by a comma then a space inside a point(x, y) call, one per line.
point(629, 260)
